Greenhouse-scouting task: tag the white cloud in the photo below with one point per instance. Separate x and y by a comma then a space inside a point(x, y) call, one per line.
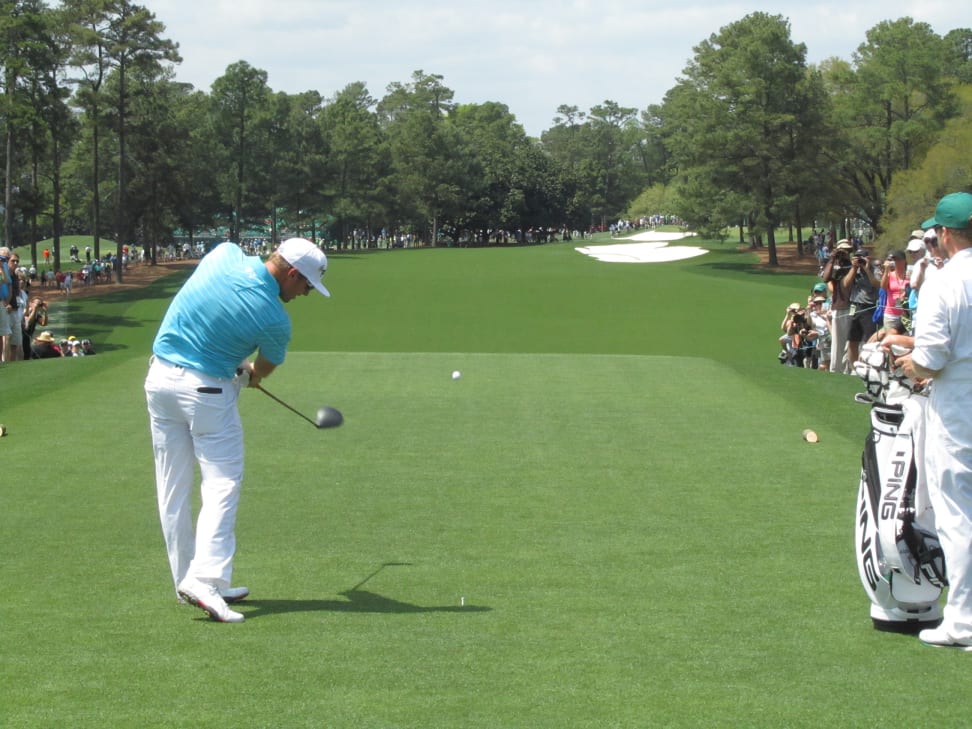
point(531, 56)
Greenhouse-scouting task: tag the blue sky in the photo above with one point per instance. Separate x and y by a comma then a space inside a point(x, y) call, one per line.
point(532, 55)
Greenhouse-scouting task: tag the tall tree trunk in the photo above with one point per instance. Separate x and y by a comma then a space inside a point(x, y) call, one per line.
point(799, 226)
point(34, 177)
point(56, 222)
point(122, 214)
point(771, 245)
point(236, 223)
point(8, 171)
point(770, 234)
point(96, 178)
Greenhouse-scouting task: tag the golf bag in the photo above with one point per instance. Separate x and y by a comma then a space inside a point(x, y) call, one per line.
point(899, 558)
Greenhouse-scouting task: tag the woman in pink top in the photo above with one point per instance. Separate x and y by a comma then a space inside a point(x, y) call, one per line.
point(894, 281)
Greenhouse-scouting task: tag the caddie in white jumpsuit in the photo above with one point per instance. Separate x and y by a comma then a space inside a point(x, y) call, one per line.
point(230, 308)
point(943, 351)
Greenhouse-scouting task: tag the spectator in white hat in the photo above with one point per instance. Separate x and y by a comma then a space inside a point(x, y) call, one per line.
point(924, 269)
point(916, 250)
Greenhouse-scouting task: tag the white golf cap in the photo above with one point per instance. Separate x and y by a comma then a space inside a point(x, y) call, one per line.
point(306, 258)
point(916, 244)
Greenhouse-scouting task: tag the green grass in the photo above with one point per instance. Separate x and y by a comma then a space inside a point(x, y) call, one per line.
point(106, 245)
point(609, 520)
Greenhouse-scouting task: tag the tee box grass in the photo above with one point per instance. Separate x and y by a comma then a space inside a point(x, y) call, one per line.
point(610, 519)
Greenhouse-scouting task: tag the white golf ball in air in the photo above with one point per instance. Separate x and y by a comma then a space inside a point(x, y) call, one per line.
point(456, 374)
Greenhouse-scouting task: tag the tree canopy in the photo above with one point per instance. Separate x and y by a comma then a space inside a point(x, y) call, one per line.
point(99, 138)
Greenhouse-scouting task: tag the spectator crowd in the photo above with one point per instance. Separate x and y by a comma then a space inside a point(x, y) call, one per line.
point(858, 300)
point(21, 315)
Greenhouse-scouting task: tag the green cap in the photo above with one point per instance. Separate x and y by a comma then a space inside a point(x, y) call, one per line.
point(819, 287)
point(953, 211)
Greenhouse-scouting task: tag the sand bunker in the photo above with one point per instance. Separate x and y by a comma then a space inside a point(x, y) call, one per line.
point(649, 247)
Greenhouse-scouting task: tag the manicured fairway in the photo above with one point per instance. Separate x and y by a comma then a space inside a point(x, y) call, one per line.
point(610, 519)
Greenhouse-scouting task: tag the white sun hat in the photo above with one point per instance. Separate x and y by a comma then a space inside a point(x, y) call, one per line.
point(306, 258)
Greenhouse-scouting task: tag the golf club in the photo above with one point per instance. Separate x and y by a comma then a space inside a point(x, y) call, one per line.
point(327, 417)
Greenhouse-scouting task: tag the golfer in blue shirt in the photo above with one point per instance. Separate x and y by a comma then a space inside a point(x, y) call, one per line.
point(230, 309)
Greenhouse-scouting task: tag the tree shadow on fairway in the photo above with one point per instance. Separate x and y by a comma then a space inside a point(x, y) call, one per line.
point(790, 263)
point(750, 269)
point(98, 316)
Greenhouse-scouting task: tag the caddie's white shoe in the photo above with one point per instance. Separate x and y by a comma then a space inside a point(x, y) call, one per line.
point(940, 638)
point(207, 597)
point(234, 594)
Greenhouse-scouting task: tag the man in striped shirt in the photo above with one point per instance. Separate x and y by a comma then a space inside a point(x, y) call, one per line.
point(230, 309)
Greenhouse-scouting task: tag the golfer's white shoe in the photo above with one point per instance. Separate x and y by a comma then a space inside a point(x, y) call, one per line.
point(207, 597)
point(230, 595)
point(234, 594)
point(941, 638)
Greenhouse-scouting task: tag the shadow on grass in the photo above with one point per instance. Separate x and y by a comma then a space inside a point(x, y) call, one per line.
point(357, 601)
point(751, 269)
point(98, 315)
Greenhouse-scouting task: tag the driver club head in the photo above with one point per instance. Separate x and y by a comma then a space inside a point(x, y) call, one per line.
point(328, 417)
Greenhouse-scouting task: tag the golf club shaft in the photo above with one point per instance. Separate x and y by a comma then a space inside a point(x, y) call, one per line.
point(291, 409)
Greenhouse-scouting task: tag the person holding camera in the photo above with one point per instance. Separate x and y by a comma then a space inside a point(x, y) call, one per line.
point(35, 314)
point(804, 340)
point(834, 274)
point(863, 286)
point(787, 348)
point(894, 281)
point(817, 317)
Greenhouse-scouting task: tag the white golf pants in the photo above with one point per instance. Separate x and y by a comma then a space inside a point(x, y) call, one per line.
point(194, 419)
point(948, 457)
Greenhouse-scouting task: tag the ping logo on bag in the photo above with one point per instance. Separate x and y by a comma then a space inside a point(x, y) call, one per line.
point(891, 495)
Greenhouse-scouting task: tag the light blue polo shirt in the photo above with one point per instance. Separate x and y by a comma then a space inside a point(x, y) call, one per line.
point(229, 308)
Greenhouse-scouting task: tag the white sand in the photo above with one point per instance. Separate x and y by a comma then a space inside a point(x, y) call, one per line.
point(649, 247)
